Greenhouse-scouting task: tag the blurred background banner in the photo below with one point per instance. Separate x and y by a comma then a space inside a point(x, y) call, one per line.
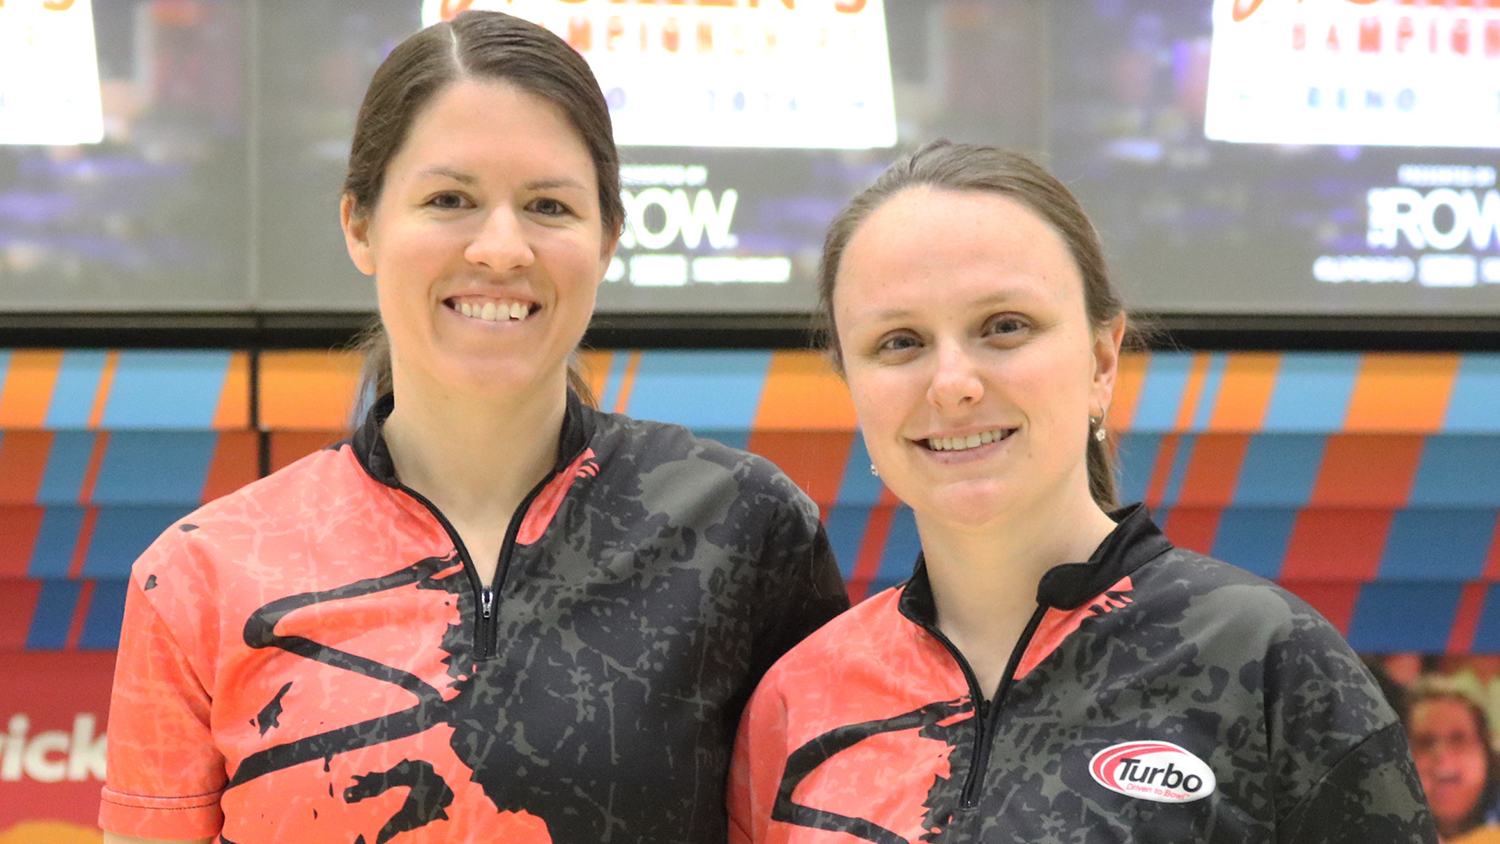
point(1269, 159)
point(52, 747)
point(1379, 72)
point(809, 74)
point(49, 78)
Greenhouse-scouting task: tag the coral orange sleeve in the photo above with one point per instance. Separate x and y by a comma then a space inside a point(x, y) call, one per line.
point(164, 774)
point(755, 774)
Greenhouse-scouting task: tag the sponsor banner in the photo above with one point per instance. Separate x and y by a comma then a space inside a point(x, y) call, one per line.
point(52, 723)
point(805, 74)
point(679, 231)
point(49, 73)
point(1438, 226)
point(1355, 72)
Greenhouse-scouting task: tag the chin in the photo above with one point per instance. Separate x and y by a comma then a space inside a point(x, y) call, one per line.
point(491, 381)
point(975, 503)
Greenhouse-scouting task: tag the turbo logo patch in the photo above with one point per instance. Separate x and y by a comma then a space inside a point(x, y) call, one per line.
point(1158, 771)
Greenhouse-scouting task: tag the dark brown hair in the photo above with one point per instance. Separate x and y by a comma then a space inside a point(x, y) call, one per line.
point(474, 45)
point(969, 167)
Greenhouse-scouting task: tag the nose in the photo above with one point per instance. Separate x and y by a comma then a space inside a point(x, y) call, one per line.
point(955, 381)
point(500, 243)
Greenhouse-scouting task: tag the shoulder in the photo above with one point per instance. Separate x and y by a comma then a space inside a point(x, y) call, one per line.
point(1268, 640)
point(870, 631)
point(1229, 601)
point(285, 501)
point(673, 461)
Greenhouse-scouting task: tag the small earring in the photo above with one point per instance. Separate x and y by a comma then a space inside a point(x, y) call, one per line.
point(874, 471)
point(1098, 425)
point(1099, 433)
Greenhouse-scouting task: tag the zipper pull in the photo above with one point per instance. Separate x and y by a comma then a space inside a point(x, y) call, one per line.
point(486, 602)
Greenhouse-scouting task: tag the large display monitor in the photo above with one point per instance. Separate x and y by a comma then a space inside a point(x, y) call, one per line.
point(1282, 157)
point(1261, 157)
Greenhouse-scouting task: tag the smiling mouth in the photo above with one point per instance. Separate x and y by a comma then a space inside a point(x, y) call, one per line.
point(492, 310)
point(966, 443)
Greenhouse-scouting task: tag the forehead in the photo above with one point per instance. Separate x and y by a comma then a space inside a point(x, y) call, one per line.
point(480, 122)
point(927, 242)
point(1442, 715)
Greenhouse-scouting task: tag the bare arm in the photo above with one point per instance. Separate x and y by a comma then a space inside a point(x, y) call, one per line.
point(115, 838)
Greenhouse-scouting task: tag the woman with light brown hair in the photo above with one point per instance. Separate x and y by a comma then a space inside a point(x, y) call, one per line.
point(1054, 670)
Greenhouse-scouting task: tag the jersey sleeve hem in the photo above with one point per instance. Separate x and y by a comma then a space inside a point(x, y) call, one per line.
point(171, 818)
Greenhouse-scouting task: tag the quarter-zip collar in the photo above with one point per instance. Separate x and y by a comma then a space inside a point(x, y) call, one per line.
point(1134, 542)
point(375, 457)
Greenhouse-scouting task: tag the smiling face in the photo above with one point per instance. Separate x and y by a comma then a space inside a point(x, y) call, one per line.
point(971, 361)
point(1451, 759)
point(486, 242)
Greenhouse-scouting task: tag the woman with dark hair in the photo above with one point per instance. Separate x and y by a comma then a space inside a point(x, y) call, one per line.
point(1451, 743)
point(495, 613)
point(1054, 670)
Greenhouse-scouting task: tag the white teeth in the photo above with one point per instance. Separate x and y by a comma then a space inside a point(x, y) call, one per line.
point(490, 311)
point(965, 443)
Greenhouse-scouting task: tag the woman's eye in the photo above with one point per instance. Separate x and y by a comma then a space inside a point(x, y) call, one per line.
point(549, 207)
point(447, 201)
point(897, 343)
point(1006, 325)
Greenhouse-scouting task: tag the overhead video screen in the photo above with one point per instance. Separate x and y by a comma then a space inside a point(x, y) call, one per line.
point(743, 128)
point(123, 165)
point(1282, 157)
point(1239, 156)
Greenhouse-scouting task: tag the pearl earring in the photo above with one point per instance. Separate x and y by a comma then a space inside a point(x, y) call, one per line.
point(874, 471)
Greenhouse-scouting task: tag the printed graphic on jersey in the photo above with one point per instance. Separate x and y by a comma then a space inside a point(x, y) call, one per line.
point(1153, 770)
point(428, 793)
point(922, 738)
point(364, 687)
point(1144, 641)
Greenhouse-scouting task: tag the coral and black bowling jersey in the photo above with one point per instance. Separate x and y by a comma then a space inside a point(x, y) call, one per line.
point(1157, 695)
point(314, 659)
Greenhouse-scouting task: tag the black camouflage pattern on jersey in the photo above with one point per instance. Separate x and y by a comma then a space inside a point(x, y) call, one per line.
point(626, 639)
point(1237, 671)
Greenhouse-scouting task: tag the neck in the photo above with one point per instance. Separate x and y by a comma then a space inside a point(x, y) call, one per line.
point(985, 578)
point(474, 456)
point(1452, 830)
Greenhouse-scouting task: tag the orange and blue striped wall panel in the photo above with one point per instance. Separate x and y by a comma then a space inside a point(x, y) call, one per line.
point(124, 390)
point(1365, 482)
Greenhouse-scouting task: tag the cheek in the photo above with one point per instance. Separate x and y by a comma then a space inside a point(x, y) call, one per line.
point(1476, 771)
point(1059, 384)
point(877, 401)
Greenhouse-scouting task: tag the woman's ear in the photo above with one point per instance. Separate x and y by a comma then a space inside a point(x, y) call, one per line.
point(1107, 341)
point(356, 235)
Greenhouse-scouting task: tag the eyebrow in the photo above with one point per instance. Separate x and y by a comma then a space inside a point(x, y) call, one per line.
point(996, 300)
point(469, 179)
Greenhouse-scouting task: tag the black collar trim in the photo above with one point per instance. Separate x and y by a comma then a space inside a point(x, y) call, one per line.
point(375, 458)
point(1134, 542)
